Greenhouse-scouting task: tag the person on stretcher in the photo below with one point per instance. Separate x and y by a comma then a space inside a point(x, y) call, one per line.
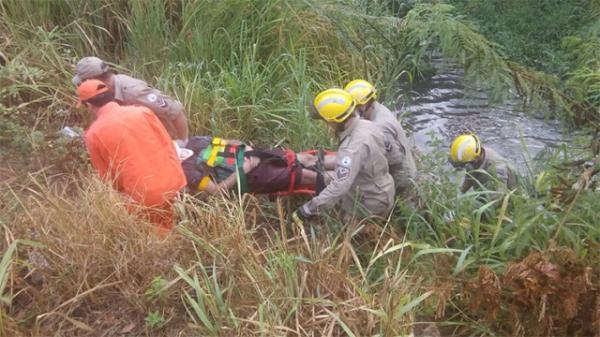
point(213, 165)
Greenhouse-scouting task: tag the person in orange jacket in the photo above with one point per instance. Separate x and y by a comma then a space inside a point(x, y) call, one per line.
point(129, 146)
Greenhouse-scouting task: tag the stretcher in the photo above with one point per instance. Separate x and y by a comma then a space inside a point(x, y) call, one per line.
point(301, 190)
point(220, 154)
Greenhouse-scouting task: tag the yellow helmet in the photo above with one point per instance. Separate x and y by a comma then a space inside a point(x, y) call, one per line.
point(465, 148)
point(334, 105)
point(361, 90)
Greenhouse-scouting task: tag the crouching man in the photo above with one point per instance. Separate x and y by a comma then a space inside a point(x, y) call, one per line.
point(129, 147)
point(132, 91)
point(397, 150)
point(362, 184)
point(486, 169)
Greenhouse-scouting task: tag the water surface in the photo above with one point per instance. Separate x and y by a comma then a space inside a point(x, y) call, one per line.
point(444, 106)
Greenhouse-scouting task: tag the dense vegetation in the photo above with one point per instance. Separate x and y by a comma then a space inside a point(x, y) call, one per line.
point(550, 36)
point(75, 263)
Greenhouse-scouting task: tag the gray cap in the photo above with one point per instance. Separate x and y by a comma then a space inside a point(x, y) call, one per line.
point(89, 67)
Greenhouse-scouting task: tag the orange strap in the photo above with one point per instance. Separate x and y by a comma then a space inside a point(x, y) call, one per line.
point(290, 156)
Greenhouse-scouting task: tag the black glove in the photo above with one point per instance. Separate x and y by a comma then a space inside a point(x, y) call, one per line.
point(320, 183)
point(300, 216)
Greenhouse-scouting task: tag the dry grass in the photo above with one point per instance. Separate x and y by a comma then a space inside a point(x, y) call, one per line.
point(94, 257)
point(84, 266)
point(230, 269)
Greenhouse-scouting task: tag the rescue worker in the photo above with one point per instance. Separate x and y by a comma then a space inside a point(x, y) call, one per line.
point(129, 147)
point(131, 91)
point(213, 165)
point(361, 176)
point(485, 168)
point(400, 159)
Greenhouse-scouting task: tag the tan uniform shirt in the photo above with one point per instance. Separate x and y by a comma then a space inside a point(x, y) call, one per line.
point(361, 174)
point(494, 174)
point(131, 91)
point(398, 153)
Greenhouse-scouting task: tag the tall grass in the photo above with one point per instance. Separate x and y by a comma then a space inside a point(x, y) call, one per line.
point(226, 270)
point(5, 272)
point(482, 235)
point(500, 227)
point(239, 268)
point(261, 61)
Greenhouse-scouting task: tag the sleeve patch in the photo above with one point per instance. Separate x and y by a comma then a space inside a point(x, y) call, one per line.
point(342, 172)
point(162, 102)
point(388, 146)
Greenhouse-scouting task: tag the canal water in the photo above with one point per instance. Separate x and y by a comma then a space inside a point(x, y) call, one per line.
point(445, 107)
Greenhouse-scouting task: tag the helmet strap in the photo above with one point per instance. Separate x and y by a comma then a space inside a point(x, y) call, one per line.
point(359, 112)
point(481, 157)
point(368, 110)
point(479, 160)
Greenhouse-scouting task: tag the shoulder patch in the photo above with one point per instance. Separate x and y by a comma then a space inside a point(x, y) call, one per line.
point(387, 145)
point(162, 102)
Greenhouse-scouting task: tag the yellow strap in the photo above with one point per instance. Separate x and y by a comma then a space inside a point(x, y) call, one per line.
point(213, 154)
point(203, 183)
point(218, 141)
point(218, 146)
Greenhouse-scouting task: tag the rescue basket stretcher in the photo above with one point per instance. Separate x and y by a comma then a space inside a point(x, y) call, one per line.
point(300, 190)
point(221, 154)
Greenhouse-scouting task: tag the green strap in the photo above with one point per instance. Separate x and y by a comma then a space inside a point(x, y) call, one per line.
point(239, 163)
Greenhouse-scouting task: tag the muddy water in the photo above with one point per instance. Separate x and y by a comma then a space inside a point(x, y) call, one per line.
point(445, 107)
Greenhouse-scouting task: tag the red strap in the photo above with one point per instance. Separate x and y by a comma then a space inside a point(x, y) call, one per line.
point(233, 150)
point(290, 156)
point(302, 191)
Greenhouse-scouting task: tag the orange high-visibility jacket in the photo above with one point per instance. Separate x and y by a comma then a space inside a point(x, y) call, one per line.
point(129, 146)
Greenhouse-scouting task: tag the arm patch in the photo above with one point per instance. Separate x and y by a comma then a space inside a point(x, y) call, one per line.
point(346, 161)
point(388, 146)
point(342, 172)
point(152, 98)
point(343, 168)
point(158, 100)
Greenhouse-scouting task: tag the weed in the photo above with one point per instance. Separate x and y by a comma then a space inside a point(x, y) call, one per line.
point(155, 320)
point(157, 288)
